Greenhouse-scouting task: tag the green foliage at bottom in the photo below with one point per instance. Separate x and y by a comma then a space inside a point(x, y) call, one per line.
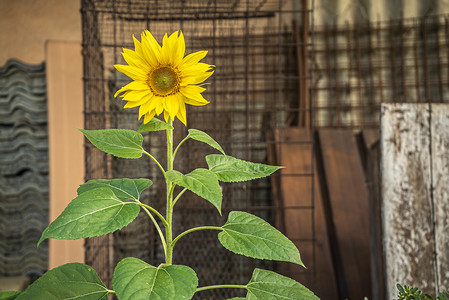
point(413, 293)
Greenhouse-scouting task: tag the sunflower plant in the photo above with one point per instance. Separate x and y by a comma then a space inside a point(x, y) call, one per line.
point(164, 80)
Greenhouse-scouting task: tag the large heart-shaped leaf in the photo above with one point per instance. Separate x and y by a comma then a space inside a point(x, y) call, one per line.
point(251, 236)
point(69, 281)
point(184, 279)
point(270, 285)
point(154, 125)
point(93, 213)
point(135, 279)
point(123, 188)
point(201, 136)
point(118, 142)
point(230, 169)
point(202, 182)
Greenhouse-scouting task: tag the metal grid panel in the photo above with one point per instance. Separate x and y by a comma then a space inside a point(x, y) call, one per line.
point(255, 88)
point(359, 66)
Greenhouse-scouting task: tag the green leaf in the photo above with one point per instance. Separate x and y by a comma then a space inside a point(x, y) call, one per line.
point(123, 188)
point(236, 298)
point(93, 213)
point(69, 281)
point(202, 182)
point(201, 136)
point(154, 125)
point(118, 142)
point(135, 279)
point(400, 288)
point(251, 236)
point(230, 169)
point(9, 295)
point(184, 279)
point(270, 285)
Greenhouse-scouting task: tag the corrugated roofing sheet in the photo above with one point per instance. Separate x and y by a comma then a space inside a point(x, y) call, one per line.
point(23, 169)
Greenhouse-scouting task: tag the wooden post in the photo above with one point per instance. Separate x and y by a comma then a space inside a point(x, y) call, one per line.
point(415, 198)
point(440, 185)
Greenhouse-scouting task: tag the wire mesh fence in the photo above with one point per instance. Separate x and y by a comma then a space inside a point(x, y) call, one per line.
point(357, 67)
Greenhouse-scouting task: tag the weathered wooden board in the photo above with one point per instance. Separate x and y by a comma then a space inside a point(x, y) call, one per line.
point(346, 201)
point(293, 193)
point(371, 156)
point(440, 182)
point(407, 201)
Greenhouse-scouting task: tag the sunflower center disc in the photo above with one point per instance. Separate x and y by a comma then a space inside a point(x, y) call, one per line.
point(164, 81)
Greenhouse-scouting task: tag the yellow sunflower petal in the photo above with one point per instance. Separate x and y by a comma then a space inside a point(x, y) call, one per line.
point(149, 116)
point(196, 102)
point(182, 110)
point(143, 109)
point(121, 90)
point(160, 106)
point(193, 97)
point(137, 95)
point(172, 106)
point(165, 54)
point(178, 50)
point(134, 59)
point(151, 50)
point(153, 103)
point(166, 115)
point(142, 101)
point(126, 93)
point(193, 58)
point(195, 69)
point(197, 78)
point(153, 43)
point(185, 81)
point(136, 85)
point(193, 92)
point(132, 86)
point(132, 72)
point(169, 44)
point(137, 46)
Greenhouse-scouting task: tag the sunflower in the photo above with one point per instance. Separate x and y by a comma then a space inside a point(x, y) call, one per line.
point(164, 80)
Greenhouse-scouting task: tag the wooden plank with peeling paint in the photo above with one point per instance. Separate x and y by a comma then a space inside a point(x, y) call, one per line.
point(440, 179)
point(406, 201)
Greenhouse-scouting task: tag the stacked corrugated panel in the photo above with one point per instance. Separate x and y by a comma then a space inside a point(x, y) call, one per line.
point(23, 169)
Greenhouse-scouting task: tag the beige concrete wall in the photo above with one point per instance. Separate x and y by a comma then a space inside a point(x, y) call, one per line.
point(66, 152)
point(25, 25)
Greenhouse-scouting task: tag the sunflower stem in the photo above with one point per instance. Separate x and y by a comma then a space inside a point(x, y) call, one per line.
point(155, 160)
point(158, 228)
point(195, 229)
point(179, 196)
point(221, 286)
point(169, 219)
point(179, 145)
point(154, 211)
